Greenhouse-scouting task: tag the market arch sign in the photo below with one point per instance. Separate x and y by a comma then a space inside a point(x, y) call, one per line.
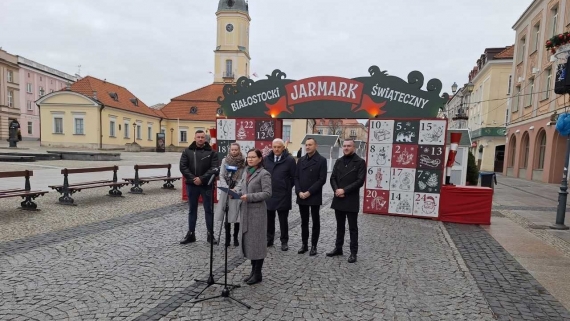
point(379, 96)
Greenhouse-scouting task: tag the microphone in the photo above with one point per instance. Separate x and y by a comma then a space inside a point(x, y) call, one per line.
point(230, 170)
point(216, 172)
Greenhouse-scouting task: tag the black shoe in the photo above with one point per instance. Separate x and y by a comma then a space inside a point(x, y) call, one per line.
point(256, 277)
point(189, 238)
point(252, 271)
point(335, 252)
point(228, 235)
point(313, 251)
point(269, 243)
point(236, 234)
point(284, 247)
point(303, 249)
point(211, 239)
point(352, 258)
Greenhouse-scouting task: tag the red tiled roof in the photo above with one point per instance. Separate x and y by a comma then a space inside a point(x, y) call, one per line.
point(205, 99)
point(88, 85)
point(508, 53)
point(206, 93)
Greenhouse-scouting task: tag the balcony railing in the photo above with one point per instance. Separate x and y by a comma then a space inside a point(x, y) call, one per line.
point(229, 75)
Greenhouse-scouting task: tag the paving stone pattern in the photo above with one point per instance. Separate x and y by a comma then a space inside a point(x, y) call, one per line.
point(510, 290)
point(133, 268)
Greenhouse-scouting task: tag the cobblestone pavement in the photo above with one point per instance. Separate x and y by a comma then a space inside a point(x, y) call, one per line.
point(510, 290)
point(121, 266)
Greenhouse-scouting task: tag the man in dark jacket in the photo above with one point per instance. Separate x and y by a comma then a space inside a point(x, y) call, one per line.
point(310, 176)
point(348, 175)
point(197, 164)
point(281, 166)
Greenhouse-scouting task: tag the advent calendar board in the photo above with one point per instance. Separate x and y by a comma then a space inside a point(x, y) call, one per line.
point(248, 132)
point(405, 166)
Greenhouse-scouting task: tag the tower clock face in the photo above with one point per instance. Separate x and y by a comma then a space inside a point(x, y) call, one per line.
point(229, 27)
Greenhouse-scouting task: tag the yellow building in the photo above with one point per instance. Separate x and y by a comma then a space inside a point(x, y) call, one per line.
point(93, 113)
point(111, 118)
point(491, 78)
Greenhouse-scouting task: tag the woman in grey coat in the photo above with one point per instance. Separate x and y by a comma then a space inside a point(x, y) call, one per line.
point(234, 158)
point(255, 187)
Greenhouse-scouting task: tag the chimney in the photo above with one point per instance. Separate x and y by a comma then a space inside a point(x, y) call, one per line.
point(95, 95)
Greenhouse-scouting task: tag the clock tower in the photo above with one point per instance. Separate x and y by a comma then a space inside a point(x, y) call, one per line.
point(232, 58)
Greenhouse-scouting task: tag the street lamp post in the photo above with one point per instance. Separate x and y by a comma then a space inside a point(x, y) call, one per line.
point(461, 115)
point(171, 136)
point(563, 193)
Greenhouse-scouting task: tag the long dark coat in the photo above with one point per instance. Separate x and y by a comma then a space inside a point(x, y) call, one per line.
point(350, 178)
point(253, 213)
point(282, 180)
point(311, 175)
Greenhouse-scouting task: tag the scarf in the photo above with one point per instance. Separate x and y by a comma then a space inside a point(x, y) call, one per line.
point(238, 161)
point(251, 170)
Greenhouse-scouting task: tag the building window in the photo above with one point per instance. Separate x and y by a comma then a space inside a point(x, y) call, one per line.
point(29, 105)
point(287, 133)
point(184, 136)
point(29, 88)
point(523, 49)
point(229, 67)
point(58, 125)
point(530, 92)
point(149, 132)
point(30, 127)
point(510, 84)
point(10, 98)
point(554, 13)
point(536, 35)
point(512, 150)
point(127, 131)
point(319, 131)
point(353, 132)
point(517, 99)
point(41, 91)
point(78, 125)
point(112, 125)
point(139, 132)
point(10, 76)
point(541, 149)
point(547, 83)
point(524, 151)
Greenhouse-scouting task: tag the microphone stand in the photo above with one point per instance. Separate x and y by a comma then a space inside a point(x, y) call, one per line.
point(226, 291)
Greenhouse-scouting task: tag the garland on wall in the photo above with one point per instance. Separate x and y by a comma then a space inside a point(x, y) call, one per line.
point(556, 41)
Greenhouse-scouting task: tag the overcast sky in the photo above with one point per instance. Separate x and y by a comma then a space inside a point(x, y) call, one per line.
point(162, 49)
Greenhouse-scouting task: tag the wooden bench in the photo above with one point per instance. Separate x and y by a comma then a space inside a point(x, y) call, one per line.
point(138, 181)
point(69, 189)
point(26, 193)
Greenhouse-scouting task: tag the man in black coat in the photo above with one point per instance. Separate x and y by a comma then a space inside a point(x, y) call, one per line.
point(348, 175)
point(281, 166)
point(197, 164)
point(310, 176)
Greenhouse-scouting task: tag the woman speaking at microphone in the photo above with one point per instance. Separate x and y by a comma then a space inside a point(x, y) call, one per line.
point(255, 188)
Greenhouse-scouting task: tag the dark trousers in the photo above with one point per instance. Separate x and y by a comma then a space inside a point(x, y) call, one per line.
point(194, 192)
point(283, 225)
point(315, 216)
point(341, 217)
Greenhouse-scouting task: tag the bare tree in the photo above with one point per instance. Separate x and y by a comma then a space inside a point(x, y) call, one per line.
point(335, 127)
